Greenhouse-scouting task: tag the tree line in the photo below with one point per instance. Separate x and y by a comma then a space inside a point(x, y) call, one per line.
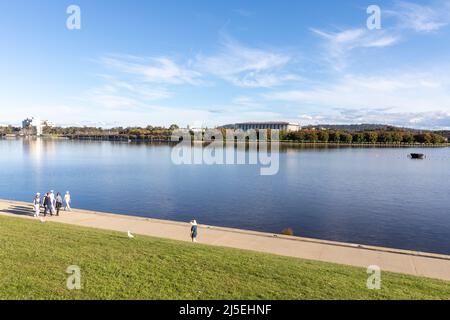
point(9, 130)
point(372, 137)
point(308, 135)
point(149, 131)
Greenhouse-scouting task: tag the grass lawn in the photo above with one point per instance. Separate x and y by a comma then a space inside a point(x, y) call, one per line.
point(34, 257)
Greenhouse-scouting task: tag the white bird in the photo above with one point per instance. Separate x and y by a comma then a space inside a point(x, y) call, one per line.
point(130, 235)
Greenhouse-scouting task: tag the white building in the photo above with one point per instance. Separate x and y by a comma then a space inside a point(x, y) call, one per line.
point(47, 123)
point(196, 129)
point(275, 125)
point(32, 124)
point(36, 125)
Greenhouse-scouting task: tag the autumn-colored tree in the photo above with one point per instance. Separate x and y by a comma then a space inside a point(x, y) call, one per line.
point(323, 136)
point(423, 137)
point(371, 137)
point(397, 136)
point(346, 137)
point(311, 135)
point(335, 136)
point(385, 137)
point(408, 137)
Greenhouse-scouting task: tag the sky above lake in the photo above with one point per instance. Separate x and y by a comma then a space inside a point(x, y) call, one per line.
point(210, 62)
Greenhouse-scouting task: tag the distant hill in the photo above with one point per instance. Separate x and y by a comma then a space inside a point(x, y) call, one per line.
point(360, 127)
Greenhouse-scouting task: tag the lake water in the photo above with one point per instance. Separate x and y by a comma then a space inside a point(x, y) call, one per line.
point(375, 196)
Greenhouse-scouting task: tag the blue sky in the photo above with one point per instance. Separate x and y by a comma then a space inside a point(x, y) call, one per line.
point(211, 62)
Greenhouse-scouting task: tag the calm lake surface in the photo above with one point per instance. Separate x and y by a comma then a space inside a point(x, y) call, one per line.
point(375, 196)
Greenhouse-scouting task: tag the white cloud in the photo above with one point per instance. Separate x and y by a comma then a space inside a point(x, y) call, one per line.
point(419, 92)
point(229, 116)
point(421, 18)
point(154, 69)
point(80, 113)
point(383, 42)
point(420, 120)
point(112, 101)
point(247, 67)
point(244, 12)
point(130, 86)
point(339, 45)
point(246, 102)
point(127, 94)
point(235, 63)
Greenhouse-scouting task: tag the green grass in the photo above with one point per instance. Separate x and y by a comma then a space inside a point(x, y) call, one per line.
point(34, 257)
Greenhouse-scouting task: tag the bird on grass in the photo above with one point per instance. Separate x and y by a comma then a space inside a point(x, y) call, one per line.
point(130, 235)
point(42, 219)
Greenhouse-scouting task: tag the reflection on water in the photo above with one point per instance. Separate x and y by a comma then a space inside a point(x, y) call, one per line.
point(36, 147)
point(362, 195)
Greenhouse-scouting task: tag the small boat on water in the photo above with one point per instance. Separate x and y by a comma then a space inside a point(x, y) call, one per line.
point(417, 156)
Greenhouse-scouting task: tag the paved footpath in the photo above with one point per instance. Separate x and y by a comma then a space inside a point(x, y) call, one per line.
point(401, 261)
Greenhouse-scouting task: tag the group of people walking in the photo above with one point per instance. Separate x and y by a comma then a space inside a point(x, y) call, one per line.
point(52, 204)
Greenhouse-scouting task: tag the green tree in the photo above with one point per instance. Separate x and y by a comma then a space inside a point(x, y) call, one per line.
point(335, 136)
point(311, 135)
point(284, 135)
point(423, 137)
point(397, 136)
point(408, 137)
point(323, 136)
point(371, 137)
point(297, 135)
point(385, 137)
point(346, 137)
point(435, 138)
point(358, 137)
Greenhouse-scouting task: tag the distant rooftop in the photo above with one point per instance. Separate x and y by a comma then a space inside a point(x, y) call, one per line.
point(269, 122)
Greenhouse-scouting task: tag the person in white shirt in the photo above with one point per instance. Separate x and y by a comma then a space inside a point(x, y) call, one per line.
point(52, 202)
point(67, 201)
point(37, 204)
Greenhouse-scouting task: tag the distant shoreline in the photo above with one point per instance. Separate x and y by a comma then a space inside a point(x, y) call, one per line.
point(282, 142)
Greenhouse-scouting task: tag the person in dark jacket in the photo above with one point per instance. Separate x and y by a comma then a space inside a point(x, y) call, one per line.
point(194, 231)
point(59, 203)
point(47, 204)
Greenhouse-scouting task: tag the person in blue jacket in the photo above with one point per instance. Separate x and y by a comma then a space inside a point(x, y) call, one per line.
point(194, 230)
